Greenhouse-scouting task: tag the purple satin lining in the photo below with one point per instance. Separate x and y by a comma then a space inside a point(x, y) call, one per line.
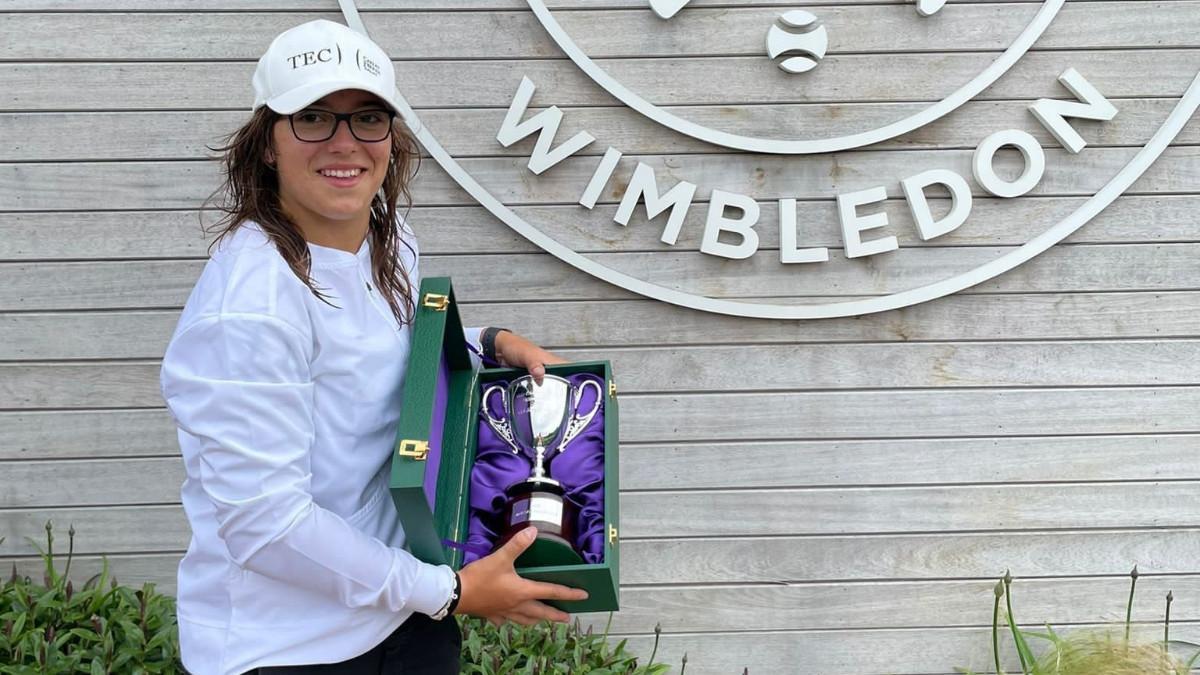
point(580, 468)
point(440, 396)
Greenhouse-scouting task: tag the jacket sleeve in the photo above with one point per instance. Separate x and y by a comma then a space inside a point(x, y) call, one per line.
point(240, 384)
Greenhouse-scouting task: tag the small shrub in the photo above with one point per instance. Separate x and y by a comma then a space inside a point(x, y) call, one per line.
point(104, 627)
point(100, 628)
point(548, 649)
point(1088, 652)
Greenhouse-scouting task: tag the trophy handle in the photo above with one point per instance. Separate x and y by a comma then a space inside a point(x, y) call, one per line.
point(499, 426)
point(580, 422)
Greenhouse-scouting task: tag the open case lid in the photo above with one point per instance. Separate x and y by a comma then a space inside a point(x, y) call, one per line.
point(429, 458)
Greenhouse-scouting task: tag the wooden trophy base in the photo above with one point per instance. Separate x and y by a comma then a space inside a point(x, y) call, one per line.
point(541, 504)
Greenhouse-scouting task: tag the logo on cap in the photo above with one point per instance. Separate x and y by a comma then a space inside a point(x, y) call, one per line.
point(313, 57)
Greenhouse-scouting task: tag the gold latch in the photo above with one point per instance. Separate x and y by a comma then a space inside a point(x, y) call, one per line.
point(612, 388)
point(436, 301)
point(612, 535)
point(417, 450)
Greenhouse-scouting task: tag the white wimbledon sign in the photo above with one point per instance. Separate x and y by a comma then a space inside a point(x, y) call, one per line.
point(797, 42)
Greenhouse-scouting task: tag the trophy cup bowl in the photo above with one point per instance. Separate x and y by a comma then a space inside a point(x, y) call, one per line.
point(538, 422)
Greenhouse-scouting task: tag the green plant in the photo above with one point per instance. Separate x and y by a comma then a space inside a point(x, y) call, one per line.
point(101, 628)
point(1089, 652)
point(547, 649)
point(105, 627)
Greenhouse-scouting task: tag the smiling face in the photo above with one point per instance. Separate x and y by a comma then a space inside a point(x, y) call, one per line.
point(326, 187)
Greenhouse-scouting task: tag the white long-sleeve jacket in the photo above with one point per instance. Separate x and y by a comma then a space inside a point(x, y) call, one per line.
point(287, 411)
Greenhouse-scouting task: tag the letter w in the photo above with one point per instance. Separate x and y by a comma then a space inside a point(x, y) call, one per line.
point(546, 122)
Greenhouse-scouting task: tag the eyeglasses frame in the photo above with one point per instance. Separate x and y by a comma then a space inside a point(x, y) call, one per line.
point(337, 121)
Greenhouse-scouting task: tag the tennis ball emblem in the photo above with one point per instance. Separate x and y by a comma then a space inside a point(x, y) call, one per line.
point(796, 36)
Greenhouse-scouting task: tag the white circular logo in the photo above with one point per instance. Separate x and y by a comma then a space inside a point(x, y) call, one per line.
point(715, 215)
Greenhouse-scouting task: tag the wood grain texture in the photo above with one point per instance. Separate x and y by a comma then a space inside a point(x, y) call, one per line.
point(633, 33)
point(703, 465)
point(852, 465)
point(86, 433)
point(143, 334)
point(1148, 73)
point(708, 369)
point(725, 513)
point(829, 497)
point(188, 184)
point(156, 284)
point(825, 558)
point(454, 230)
point(472, 132)
point(396, 5)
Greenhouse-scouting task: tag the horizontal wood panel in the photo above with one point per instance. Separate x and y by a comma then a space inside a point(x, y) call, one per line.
point(367, 6)
point(780, 513)
point(158, 284)
point(721, 513)
point(911, 414)
point(836, 604)
point(472, 229)
point(823, 558)
point(894, 605)
point(915, 509)
point(117, 335)
point(115, 529)
point(897, 462)
point(472, 132)
point(144, 334)
point(93, 481)
point(128, 385)
point(830, 367)
point(705, 417)
point(731, 464)
point(627, 33)
point(742, 80)
point(907, 556)
point(57, 434)
point(187, 184)
point(710, 465)
point(725, 369)
point(956, 317)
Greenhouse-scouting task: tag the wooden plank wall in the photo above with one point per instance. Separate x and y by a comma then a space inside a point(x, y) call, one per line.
point(798, 497)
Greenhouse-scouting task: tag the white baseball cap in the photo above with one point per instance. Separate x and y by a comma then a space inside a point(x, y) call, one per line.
point(318, 58)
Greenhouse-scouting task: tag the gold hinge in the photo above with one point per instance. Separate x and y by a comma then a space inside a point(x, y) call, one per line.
point(417, 450)
point(612, 388)
point(612, 535)
point(436, 301)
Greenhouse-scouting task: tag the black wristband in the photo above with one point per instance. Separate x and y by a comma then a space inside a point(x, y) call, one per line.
point(487, 343)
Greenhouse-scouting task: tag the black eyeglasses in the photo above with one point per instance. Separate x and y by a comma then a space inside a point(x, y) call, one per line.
point(314, 126)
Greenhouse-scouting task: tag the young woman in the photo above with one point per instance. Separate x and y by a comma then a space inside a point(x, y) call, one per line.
point(284, 378)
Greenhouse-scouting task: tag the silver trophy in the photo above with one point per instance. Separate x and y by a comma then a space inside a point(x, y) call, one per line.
point(539, 422)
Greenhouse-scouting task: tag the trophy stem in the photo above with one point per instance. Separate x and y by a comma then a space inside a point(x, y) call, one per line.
point(539, 464)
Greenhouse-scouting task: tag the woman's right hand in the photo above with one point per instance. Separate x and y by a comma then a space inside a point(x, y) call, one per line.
point(491, 588)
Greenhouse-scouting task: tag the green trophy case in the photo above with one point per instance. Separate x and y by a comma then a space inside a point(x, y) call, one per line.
point(435, 451)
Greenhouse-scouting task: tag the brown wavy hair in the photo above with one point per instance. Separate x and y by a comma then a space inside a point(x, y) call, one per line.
point(250, 192)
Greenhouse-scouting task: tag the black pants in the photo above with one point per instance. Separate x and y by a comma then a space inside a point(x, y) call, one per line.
point(420, 646)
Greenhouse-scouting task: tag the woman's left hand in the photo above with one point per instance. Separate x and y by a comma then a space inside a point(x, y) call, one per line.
point(514, 351)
